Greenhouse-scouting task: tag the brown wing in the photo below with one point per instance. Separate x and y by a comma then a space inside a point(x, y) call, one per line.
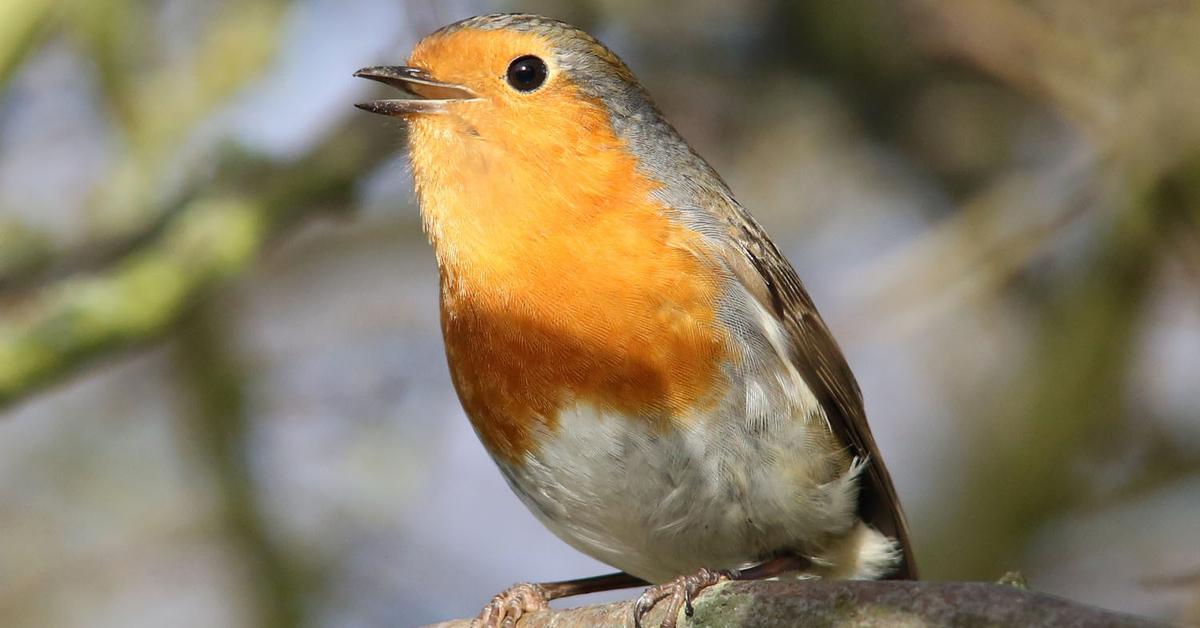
point(819, 360)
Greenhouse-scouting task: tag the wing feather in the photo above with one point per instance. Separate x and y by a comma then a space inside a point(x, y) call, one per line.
point(768, 276)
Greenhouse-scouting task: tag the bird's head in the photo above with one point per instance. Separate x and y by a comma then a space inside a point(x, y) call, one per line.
point(511, 79)
point(521, 126)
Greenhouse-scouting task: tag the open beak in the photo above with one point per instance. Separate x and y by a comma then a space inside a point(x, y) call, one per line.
point(423, 94)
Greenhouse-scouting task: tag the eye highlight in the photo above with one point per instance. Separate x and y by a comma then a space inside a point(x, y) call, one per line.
point(527, 73)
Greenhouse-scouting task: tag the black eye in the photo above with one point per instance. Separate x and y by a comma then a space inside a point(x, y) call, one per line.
point(527, 73)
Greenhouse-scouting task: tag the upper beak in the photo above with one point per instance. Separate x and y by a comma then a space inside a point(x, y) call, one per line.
point(423, 93)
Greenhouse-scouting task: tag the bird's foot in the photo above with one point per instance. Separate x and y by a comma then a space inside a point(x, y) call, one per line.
point(509, 605)
point(681, 591)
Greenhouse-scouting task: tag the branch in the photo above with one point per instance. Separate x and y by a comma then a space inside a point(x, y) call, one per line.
point(22, 25)
point(862, 604)
point(220, 431)
point(128, 206)
point(143, 295)
point(1122, 74)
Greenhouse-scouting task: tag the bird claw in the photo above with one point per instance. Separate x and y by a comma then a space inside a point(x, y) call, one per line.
point(509, 605)
point(681, 590)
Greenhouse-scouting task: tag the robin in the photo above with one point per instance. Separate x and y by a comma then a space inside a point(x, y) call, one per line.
point(645, 367)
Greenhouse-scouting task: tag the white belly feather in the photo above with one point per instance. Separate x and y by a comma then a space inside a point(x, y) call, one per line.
point(756, 476)
point(657, 505)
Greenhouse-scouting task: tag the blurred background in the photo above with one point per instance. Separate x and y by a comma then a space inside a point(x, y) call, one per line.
point(223, 398)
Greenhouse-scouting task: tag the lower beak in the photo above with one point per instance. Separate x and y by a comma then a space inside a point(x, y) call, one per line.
point(423, 93)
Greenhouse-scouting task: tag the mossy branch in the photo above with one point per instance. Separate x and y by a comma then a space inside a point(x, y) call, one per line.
point(141, 296)
point(832, 603)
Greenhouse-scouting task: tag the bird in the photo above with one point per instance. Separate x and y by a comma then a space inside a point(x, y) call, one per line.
point(644, 366)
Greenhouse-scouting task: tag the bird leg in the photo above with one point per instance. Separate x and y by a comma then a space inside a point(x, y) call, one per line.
point(508, 606)
point(684, 589)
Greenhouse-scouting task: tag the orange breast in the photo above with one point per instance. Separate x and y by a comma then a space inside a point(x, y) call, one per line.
point(623, 322)
point(563, 281)
point(564, 290)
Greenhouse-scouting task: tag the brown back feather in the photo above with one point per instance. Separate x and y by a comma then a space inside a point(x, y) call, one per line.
point(817, 357)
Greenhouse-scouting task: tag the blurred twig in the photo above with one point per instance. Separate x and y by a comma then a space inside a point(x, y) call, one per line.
point(157, 102)
point(970, 255)
point(1069, 398)
point(1014, 43)
point(80, 317)
point(1125, 75)
point(157, 105)
point(220, 424)
point(1122, 76)
point(143, 295)
point(22, 250)
point(1187, 237)
point(22, 24)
